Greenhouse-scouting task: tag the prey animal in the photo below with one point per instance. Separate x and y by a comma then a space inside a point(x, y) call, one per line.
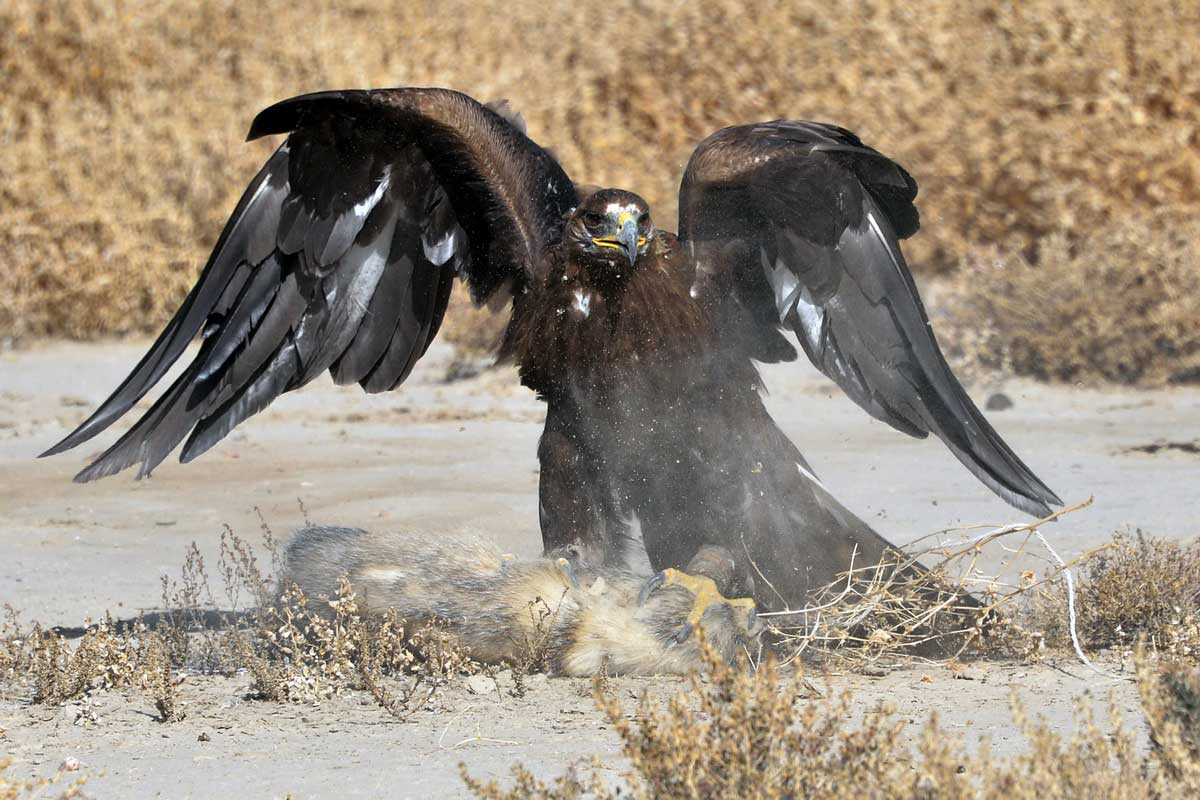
point(343, 250)
point(578, 618)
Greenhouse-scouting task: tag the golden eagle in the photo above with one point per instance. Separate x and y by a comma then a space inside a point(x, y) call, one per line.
point(342, 252)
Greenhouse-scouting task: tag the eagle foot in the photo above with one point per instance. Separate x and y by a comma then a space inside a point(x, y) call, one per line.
point(704, 593)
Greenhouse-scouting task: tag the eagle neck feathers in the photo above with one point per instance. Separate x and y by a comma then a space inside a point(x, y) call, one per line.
point(574, 331)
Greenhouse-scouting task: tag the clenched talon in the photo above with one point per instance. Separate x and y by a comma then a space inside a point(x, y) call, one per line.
point(652, 584)
point(685, 630)
point(704, 593)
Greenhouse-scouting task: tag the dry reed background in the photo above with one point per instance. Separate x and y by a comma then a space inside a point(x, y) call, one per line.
point(1057, 143)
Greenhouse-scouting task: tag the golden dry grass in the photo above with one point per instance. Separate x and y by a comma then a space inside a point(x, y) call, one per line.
point(1121, 306)
point(121, 121)
point(737, 733)
point(52, 788)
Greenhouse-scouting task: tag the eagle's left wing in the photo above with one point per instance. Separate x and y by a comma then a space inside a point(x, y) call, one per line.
point(340, 256)
point(796, 225)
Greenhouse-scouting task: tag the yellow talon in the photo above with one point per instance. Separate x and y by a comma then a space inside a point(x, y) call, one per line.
point(704, 591)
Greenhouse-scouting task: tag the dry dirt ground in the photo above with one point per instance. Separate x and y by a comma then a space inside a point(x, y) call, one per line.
point(461, 456)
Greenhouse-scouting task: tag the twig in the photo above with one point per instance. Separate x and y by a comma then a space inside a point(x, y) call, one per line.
point(469, 739)
point(831, 603)
point(906, 605)
point(759, 572)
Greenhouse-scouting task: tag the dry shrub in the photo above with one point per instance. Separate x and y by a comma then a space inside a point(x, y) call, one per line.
point(105, 658)
point(1139, 588)
point(300, 654)
point(1134, 588)
point(162, 682)
point(738, 733)
point(50, 788)
point(110, 655)
point(295, 648)
point(1122, 305)
point(122, 121)
point(14, 653)
point(885, 609)
point(927, 599)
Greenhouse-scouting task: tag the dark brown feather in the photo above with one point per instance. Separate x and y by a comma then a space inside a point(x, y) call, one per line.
point(575, 330)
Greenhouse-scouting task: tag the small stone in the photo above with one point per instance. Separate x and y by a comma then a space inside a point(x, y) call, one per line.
point(999, 402)
point(481, 684)
point(203, 737)
point(69, 764)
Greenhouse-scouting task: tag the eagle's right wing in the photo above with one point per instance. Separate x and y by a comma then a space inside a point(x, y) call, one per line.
point(341, 256)
point(797, 225)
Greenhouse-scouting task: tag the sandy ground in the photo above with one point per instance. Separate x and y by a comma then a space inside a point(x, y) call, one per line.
point(461, 456)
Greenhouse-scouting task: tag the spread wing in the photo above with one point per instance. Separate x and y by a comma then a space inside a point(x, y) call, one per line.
point(341, 255)
point(796, 225)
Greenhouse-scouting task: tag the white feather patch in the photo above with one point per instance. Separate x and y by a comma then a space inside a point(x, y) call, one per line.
point(361, 208)
point(582, 302)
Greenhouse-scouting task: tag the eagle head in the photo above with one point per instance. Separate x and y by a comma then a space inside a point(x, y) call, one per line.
point(612, 227)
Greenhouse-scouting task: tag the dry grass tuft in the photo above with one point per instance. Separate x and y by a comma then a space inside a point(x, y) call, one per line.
point(122, 123)
point(1134, 588)
point(1139, 588)
point(747, 734)
point(40, 788)
point(939, 607)
point(295, 648)
point(1171, 698)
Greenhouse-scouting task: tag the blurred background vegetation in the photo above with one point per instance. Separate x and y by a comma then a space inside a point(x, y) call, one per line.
point(1057, 144)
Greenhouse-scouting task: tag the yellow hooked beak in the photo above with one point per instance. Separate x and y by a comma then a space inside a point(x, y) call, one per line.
point(627, 238)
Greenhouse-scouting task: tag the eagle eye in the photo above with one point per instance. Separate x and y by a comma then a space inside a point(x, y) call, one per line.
point(592, 219)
